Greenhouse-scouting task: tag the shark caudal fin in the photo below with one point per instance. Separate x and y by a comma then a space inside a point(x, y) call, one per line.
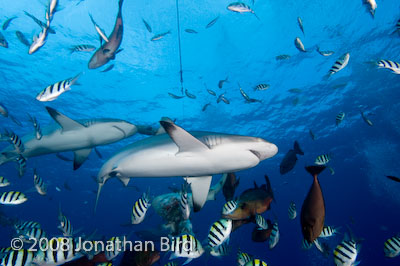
point(315, 170)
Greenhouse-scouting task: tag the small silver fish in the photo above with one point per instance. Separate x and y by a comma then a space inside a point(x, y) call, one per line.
point(366, 120)
point(38, 131)
point(292, 213)
point(7, 22)
point(51, 9)
point(300, 22)
point(147, 25)
point(221, 82)
point(21, 37)
point(4, 182)
point(324, 53)
point(282, 57)
point(261, 222)
point(189, 95)
point(190, 31)
point(246, 97)
point(222, 98)
point(38, 41)
point(240, 7)
point(3, 41)
point(159, 36)
point(205, 107)
point(371, 6)
point(99, 30)
point(212, 22)
point(339, 118)
point(175, 96)
point(211, 92)
point(312, 134)
point(299, 45)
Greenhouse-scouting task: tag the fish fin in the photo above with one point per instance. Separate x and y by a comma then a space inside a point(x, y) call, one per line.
point(161, 130)
point(297, 148)
point(65, 122)
point(80, 157)
point(315, 169)
point(183, 139)
point(74, 80)
point(172, 256)
point(187, 261)
point(98, 196)
point(105, 51)
point(200, 186)
point(118, 51)
point(124, 180)
point(98, 153)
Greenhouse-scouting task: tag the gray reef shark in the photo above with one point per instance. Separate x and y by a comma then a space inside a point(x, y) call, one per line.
point(69, 135)
point(196, 156)
point(109, 49)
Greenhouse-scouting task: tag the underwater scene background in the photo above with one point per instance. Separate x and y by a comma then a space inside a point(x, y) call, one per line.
point(242, 49)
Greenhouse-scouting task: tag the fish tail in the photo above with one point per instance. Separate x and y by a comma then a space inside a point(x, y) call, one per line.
point(74, 80)
point(120, 7)
point(297, 148)
point(315, 170)
point(254, 13)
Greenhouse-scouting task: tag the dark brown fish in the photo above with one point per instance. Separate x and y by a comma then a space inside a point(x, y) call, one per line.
point(109, 49)
point(140, 258)
point(393, 178)
point(253, 201)
point(312, 215)
point(261, 235)
point(230, 186)
point(290, 159)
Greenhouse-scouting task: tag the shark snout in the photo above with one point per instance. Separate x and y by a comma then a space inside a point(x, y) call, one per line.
point(265, 149)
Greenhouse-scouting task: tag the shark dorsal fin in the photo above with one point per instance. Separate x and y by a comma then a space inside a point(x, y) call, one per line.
point(183, 139)
point(80, 157)
point(65, 122)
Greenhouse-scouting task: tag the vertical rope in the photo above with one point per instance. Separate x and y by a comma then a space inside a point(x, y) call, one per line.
point(179, 43)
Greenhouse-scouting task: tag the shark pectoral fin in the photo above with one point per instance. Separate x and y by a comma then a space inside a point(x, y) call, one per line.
point(65, 122)
point(124, 180)
point(80, 157)
point(200, 186)
point(183, 139)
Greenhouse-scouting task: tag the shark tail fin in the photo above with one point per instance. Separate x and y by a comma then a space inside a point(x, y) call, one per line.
point(97, 196)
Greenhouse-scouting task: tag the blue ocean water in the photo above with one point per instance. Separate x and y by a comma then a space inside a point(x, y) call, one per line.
point(242, 48)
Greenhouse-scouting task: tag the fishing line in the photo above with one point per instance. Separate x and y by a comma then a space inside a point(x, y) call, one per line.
point(179, 45)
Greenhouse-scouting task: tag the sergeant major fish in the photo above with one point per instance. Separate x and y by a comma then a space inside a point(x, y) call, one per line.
point(140, 208)
point(221, 250)
point(53, 91)
point(256, 262)
point(340, 64)
point(40, 186)
point(229, 207)
point(339, 118)
point(242, 258)
point(274, 238)
point(392, 247)
point(261, 222)
point(292, 213)
point(388, 64)
point(323, 159)
point(82, 48)
point(261, 87)
point(186, 246)
point(345, 254)
point(4, 182)
point(65, 225)
point(21, 162)
point(21, 257)
point(12, 198)
point(185, 208)
point(328, 231)
point(219, 232)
